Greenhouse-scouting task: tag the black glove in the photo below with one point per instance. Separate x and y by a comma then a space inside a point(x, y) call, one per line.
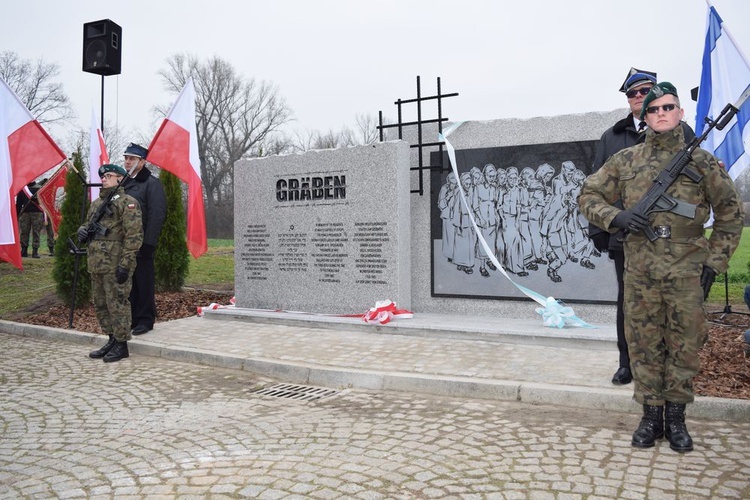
point(83, 234)
point(122, 275)
point(708, 276)
point(630, 221)
point(601, 241)
point(146, 251)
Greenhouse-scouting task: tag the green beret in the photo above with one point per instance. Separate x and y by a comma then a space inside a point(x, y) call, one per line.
point(109, 167)
point(657, 91)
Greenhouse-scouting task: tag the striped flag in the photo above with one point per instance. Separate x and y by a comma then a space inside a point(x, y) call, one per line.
point(725, 76)
point(26, 152)
point(174, 148)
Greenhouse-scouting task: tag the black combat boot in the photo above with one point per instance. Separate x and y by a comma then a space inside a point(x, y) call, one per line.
point(651, 427)
point(24, 251)
point(118, 352)
point(101, 352)
point(676, 430)
point(35, 253)
point(51, 251)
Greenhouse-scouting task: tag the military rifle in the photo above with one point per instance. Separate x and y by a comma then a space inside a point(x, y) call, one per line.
point(95, 227)
point(656, 198)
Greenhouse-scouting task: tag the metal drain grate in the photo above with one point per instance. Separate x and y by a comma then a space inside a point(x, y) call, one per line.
point(296, 392)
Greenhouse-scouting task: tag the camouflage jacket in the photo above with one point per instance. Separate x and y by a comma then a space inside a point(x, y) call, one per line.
point(124, 236)
point(628, 175)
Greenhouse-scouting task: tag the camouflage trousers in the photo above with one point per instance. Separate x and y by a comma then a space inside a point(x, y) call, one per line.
point(112, 305)
point(30, 222)
point(665, 326)
point(50, 236)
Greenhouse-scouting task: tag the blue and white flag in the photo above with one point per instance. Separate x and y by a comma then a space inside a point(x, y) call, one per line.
point(725, 76)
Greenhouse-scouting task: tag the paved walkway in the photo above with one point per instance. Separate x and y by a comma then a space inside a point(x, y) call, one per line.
point(480, 357)
point(148, 427)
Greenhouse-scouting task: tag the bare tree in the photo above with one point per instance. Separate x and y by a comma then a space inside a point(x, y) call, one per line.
point(234, 116)
point(367, 127)
point(279, 144)
point(36, 85)
point(364, 132)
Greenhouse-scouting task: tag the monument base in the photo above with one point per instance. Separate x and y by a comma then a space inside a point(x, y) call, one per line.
point(433, 325)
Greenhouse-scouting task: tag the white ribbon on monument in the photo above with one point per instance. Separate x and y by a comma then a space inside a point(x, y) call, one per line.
point(553, 312)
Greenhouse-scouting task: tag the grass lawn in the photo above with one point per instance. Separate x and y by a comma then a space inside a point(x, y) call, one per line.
point(738, 264)
point(20, 289)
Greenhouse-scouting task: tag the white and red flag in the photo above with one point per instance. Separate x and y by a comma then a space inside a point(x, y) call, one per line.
point(51, 195)
point(26, 152)
point(174, 148)
point(97, 154)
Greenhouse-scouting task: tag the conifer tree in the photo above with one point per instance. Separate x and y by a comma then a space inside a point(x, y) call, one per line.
point(171, 262)
point(73, 210)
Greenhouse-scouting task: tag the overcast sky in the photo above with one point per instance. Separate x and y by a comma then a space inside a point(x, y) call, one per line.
point(332, 59)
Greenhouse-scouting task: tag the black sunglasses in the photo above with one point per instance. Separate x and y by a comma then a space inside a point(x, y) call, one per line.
point(655, 109)
point(633, 93)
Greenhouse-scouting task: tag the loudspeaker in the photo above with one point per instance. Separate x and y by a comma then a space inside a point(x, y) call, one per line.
point(102, 47)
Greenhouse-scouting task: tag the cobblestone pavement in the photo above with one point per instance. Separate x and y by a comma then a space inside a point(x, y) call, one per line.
point(74, 427)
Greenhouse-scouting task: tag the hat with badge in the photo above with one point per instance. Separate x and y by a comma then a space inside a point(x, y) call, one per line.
point(659, 90)
point(134, 149)
point(110, 167)
point(637, 77)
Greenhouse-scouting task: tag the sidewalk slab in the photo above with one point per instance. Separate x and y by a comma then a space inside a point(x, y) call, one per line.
point(484, 358)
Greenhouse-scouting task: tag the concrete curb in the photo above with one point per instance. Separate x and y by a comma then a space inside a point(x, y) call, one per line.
point(615, 399)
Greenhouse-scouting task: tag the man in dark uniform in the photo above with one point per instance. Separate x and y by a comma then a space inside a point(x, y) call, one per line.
point(30, 220)
point(111, 256)
point(666, 280)
point(623, 134)
point(149, 192)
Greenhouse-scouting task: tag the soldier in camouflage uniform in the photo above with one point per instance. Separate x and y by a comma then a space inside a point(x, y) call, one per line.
point(49, 227)
point(666, 281)
point(111, 258)
point(30, 220)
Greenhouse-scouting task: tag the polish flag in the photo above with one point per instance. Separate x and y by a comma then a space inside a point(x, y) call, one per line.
point(174, 148)
point(26, 152)
point(97, 154)
point(51, 195)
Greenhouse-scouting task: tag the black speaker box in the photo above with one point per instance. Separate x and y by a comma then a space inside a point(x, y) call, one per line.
point(102, 47)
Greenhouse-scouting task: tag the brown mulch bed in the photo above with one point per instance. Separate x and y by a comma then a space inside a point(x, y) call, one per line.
point(725, 366)
point(50, 311)
point(725, 361)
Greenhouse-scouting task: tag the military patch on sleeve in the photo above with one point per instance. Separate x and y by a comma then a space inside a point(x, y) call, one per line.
point(721, 163)
point(131, 205)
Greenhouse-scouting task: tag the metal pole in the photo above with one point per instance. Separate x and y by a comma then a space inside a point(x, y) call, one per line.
point(102, 114)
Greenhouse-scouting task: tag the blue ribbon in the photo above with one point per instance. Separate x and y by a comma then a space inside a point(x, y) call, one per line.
point(553, 312)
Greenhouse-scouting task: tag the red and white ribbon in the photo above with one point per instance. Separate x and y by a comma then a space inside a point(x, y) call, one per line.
point(213, 306)
point(384, 311)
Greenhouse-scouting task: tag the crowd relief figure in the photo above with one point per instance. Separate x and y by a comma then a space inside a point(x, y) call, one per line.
point(530, 219)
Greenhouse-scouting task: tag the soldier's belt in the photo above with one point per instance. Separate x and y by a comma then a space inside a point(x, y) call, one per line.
point(104, 238)
point(667, 232)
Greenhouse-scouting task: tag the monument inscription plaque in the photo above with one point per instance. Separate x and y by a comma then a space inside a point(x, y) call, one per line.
point(325, 231)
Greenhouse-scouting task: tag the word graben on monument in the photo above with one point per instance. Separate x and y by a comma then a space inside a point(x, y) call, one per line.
point(330, 187)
